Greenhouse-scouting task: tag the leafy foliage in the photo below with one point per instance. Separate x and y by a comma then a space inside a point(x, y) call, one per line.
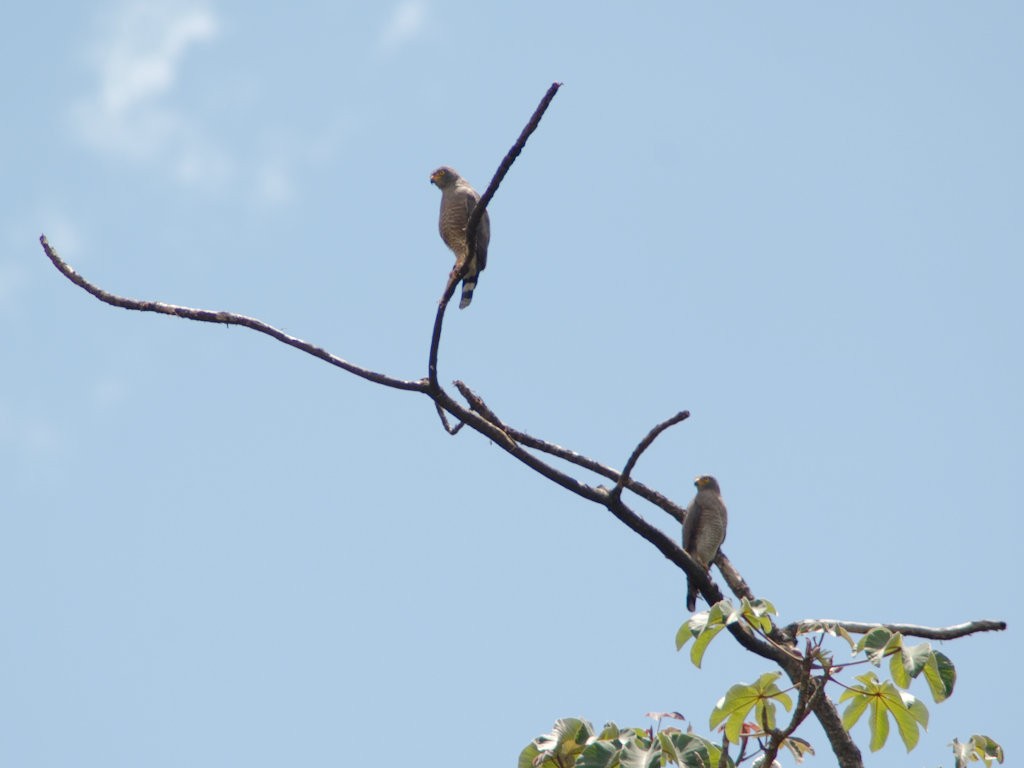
point(748, 713)
point(573, 743)
point(976, 748)
point(705, 627)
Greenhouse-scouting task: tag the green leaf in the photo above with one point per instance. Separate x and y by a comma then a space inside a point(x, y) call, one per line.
point(599, 754)
point(756, 613)
point(841, 632)
point(917, 708)
point(915, 658)
point(906, 719)
point(740, 700)
point(857, 706)
point(640, 754)
point(700, 645)
point(985, 749)
point(909, 663)
point(874, 644)
point(976, 748)
point(686, 750)
point(528, 757)
point(690, 629)
point(879, 723)
point(563, 744)
point(941, 676)
point(884, 700)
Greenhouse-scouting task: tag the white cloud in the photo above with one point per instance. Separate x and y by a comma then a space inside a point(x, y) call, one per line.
point(137, 59)
point(404, 24)
point(142, 59)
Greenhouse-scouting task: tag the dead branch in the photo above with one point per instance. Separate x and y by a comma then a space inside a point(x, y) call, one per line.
point(474, 221)
point(643, 446)
point(226, 318)
point(912, 630)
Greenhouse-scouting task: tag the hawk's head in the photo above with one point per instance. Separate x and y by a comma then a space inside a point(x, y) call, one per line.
point(444, 177)
point(707, 483)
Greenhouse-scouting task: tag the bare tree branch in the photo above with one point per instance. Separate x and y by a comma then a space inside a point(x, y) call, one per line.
point(471, 226)
point(732, 577)
point(643, 446)
point(444, 421)
point(528, 440)
point(226, 318)
point(911, 630)
point(503, 168)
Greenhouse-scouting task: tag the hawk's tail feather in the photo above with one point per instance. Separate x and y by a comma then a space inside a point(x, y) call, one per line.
point(691, 597)
point(468, 286)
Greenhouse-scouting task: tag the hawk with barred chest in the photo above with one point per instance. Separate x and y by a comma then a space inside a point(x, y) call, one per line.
point(458, 199)
point(703, 529)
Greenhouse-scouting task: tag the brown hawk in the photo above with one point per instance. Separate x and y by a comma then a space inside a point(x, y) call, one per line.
point(458, 199)
point(703, 529)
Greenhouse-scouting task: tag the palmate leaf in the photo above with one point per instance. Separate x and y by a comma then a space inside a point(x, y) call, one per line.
point(884, 701)
point(738, 702)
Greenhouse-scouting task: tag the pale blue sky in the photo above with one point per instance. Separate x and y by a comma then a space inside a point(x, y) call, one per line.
point(801, 223)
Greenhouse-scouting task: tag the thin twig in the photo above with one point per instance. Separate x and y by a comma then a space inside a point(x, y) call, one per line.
point(444, 421)
point(225, 318)
point(643, 446)
point(435, 336)
point(503, 168)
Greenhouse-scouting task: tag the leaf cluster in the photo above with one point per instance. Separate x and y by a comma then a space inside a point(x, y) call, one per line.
point(573, 742)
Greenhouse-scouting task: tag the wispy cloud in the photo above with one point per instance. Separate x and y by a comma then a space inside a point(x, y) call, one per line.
point(404, 24)
point(130, 113)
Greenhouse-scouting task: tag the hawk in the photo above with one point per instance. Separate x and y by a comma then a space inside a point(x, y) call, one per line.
point(703, 529)
point(458, 199)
